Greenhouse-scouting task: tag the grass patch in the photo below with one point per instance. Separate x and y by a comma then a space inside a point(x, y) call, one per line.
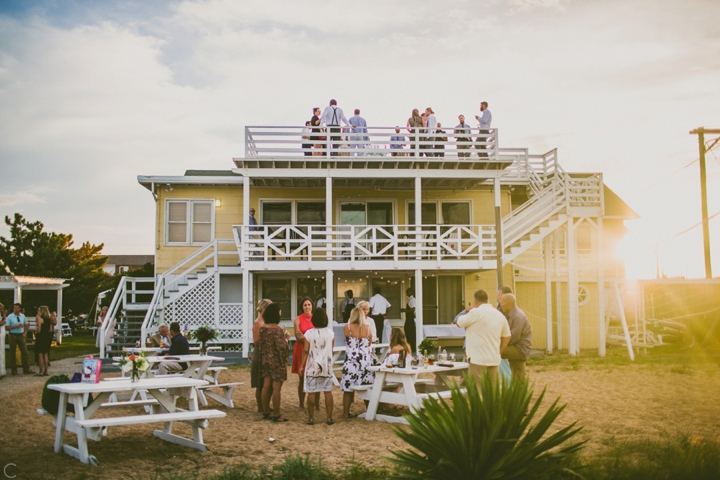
point(672, 358)
point(71, 347)
point(678, 458)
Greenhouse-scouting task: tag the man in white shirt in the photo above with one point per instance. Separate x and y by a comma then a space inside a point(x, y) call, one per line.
point(331, 117)
point(487, 335)
point(379, 306)
point(322, 301)
point(485, 120)
point(17, 327)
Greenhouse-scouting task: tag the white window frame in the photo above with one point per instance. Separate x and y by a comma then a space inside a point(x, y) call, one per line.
point(189, 202)
point(293, 207)
point(340, 201)
point(438, 208)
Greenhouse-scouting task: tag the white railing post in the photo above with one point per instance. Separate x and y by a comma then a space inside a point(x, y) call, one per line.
point(247, 143)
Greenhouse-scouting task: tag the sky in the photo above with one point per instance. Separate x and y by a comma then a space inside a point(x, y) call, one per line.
point(93, 94)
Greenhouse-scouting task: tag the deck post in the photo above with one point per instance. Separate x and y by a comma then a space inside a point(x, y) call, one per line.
point(419, 334)
point(558, 289)
point(246, 221)
point(329, 296)
point(418, 218)
point(498, 233)
point(600, 288)
point(58, 327)
point(547, 251)
point(573, 322)
point(328, 218)
point(247, 309)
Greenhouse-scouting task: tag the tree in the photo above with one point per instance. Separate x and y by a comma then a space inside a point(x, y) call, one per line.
point(30, 251)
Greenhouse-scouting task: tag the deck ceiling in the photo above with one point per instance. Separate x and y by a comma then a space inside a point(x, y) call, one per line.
point(368, 172)
point(372, 182)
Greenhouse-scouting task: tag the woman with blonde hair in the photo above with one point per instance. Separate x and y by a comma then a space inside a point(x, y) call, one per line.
point(43, 340)
point(365, 307)
point(358, 357)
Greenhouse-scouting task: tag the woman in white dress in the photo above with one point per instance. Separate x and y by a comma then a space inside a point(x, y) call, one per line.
point(317, 363)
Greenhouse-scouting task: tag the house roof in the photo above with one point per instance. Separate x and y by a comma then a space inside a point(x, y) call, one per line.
point(204, 178)
point(615, 207)
point(130, 260)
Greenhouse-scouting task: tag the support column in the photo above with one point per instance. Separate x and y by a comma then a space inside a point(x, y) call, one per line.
point(601, 289)
point(247, 305)
point(498, 233)
point(246, 221)
point(547, 251)
point(17, 295)
point(573, 308)
point(419, 334)
point(328, 219)
point(558, 290)
point(418, 218)
point(58, 327)
point(330, 296)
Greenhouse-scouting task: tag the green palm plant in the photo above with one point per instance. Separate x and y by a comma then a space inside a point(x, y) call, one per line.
point(485, 434)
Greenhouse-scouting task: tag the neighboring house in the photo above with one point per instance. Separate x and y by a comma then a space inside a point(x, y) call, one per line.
point(119, 264)
point(359, 222)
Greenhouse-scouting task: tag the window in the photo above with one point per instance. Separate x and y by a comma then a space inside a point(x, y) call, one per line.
point(292, 213)
point(189, 222)
point(451, 213)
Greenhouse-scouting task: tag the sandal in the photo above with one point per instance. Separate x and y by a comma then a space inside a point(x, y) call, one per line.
point(311, 422)
point(329, 421)
point(279, 418)
point(265, 416)
point(352, 415)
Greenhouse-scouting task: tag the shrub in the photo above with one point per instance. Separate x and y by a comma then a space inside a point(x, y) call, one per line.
point(485, 435)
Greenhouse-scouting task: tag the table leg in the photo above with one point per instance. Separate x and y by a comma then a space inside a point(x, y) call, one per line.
point(81, 434)
point(61, 420)
point(408, 383)
point(375, 395)
point(193, 406)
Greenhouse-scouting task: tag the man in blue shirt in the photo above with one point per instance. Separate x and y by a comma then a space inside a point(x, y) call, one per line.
point(397, 143)
point(359, 127)
point(179, 346)
point(16, 325)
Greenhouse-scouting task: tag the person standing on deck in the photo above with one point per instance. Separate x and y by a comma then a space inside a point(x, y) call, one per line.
point(431, 129)
point(410, 328)
point(397, 143)
point(485, 120)
point(379, 307)
point(462, 130)
point(331, 117)
point(487, 336)
point(518, 349)
point(358, 135)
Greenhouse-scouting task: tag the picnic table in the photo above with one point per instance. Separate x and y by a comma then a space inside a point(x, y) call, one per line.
point(411, 390)
point(338, 365)
point(165, 392)
point(199, 368)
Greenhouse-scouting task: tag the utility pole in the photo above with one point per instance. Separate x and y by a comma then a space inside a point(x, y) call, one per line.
point(700, 132)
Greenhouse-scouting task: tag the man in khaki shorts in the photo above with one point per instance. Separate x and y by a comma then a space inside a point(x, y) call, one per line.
point(487, 335)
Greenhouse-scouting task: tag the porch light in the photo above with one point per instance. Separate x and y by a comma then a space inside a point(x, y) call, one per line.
point(218, 202)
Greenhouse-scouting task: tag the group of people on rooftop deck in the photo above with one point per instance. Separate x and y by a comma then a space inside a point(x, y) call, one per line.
point(492, 334)
point(424, 130)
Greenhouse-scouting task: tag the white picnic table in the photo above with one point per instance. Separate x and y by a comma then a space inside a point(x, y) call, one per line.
point(165, 392)
point(338, 365)
point(406, 379)
point(199, 367)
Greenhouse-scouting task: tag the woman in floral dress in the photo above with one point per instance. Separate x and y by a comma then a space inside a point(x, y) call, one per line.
point(273, 361)
point(358, 357)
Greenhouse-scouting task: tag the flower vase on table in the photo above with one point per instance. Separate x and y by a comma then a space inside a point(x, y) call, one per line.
point(135, 364)
point(203, 348)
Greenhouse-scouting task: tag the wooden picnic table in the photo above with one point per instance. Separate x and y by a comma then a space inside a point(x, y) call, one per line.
point(165, 392)
point(407, 382)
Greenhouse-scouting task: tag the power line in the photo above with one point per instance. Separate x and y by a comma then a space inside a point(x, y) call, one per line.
point(696, 225)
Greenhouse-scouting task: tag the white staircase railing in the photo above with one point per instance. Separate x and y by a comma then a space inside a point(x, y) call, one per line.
point(205, 257)
point(111, 315)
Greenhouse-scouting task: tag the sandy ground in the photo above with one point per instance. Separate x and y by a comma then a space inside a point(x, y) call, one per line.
point(621, 402)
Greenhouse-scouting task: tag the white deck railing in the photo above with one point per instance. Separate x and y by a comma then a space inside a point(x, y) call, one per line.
point(286, 142)
point(365, 242)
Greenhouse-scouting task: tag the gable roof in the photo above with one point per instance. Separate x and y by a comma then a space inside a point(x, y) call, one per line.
point(615, 207)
